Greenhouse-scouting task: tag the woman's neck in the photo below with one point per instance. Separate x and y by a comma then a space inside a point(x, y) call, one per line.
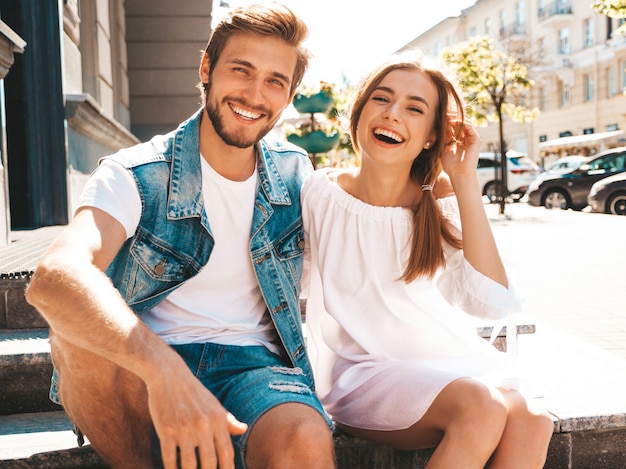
point(381, 188)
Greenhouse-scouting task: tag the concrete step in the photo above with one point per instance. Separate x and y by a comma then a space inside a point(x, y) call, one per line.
point(26, 367)
point(18, 260)
point(43, 440)
point(25, 370)
point(46, 441)
point(582, 386)
point(15, 312)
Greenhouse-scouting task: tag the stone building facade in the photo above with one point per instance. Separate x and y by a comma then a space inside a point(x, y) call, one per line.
point(94, 77)
point(579, 81)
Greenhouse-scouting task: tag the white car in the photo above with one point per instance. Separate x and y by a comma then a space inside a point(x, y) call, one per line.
point(565, 164)
point(521, 171)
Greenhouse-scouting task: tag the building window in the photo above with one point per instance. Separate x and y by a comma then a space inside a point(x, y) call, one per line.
point(543, 99)
point(520, 13)
point(543, 138)
point(563, 7)
point(622, 70)
point(502, 22)
point(588, 131)
point(542, 7)
point(437, 48)
point(472, 31)
point(565, 95)
point(588, 32)
point(610, 82)
point(488, 26)
point(564, 41)
point(588, 87)
point(541, 46)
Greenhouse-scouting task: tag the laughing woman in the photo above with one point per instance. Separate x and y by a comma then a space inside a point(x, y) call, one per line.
point(397, 260)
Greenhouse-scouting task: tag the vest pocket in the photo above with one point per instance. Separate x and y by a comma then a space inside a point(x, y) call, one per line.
point(289, 250)
point(290, 245)
point(154, 268)
point(158, 260)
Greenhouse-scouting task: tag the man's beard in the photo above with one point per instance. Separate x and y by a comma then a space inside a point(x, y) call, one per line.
point(236, 138)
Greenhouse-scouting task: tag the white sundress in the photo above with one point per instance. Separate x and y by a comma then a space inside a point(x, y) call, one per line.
point(383, 349)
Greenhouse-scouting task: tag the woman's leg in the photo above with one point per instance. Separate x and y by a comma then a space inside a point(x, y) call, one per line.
point(465, 421)
point(526, 437)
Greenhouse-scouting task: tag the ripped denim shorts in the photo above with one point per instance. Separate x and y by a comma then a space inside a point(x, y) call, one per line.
point(248, 381)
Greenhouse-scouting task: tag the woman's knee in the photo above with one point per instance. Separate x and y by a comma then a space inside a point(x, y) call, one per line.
point(476, 416)
point(535, 419)
point(480, 404)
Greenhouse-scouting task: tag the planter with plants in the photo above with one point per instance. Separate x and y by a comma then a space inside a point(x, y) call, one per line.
point(320, 132)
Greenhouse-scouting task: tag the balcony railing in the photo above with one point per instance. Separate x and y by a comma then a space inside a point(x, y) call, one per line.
point(512, 30)
point(556, 8)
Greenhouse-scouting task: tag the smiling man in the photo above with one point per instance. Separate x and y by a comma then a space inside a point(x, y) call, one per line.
point(172, 296)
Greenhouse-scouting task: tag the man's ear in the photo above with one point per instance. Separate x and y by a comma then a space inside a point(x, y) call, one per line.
point(291, 95)
point(204, 68)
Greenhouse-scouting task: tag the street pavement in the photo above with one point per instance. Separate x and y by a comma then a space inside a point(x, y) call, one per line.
point(570, 268)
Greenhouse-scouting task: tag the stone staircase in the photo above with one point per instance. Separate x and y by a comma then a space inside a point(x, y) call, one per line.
point(583, 387)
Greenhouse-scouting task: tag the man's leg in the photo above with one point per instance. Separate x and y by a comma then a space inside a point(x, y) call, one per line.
point(107, 403)
point(287, 424)
point(290, 435)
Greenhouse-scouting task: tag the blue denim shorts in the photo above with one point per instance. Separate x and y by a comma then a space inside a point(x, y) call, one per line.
point(248, 381)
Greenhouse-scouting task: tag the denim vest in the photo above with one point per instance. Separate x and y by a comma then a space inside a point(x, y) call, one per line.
point(173, 240)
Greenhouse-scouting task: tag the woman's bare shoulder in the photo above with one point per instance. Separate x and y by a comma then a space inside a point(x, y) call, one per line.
point(443, 187)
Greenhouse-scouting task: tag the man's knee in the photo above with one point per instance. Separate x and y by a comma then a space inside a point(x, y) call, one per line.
point(293, 433)
point(311, 432)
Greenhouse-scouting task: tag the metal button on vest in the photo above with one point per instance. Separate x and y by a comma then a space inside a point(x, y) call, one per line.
point(160, 269)
point(301, 244)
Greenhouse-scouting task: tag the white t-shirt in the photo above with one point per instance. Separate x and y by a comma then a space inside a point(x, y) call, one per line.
point(222, 303)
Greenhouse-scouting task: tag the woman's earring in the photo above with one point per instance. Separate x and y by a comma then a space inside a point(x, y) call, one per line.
point(427, 145)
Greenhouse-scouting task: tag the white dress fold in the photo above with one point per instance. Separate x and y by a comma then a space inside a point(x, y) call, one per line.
point(383, 349)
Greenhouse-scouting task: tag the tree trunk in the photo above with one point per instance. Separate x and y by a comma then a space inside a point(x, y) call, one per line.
point(503, 188)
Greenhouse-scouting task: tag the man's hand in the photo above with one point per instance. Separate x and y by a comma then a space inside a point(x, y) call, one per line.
point(190, 420)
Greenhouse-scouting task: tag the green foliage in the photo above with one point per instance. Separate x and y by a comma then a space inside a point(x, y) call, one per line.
point(613, 9)
point(491, 80)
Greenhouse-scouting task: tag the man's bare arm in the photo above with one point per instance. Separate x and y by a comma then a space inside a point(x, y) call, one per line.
point(82, 306)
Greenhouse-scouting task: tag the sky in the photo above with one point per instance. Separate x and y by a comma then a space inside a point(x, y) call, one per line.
point(349, 37)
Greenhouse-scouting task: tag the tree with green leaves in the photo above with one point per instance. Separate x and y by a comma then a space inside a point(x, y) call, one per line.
point(612, 9)
point(493, 82)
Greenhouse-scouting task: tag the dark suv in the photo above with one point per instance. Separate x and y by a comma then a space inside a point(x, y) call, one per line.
point(569, 190)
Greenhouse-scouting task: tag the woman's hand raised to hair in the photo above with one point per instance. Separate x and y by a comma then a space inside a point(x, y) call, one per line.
point(460, 154)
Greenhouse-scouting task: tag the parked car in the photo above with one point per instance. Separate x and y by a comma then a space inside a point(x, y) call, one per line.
point(608, 195)
point(570, 190)
point(565, 164)
point(521, 171)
